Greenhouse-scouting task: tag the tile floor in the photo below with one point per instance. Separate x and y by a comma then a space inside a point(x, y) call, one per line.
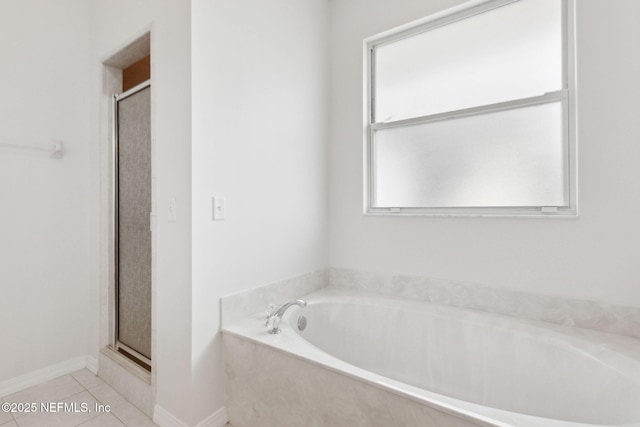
point(79, 387)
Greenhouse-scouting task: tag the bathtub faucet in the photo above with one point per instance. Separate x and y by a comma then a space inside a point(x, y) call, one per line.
point(274, 317)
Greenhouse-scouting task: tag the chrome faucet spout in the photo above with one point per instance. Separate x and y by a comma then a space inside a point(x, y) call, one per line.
point(273, 319)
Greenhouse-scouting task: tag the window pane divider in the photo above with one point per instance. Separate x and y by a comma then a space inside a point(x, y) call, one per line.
point(547, 98)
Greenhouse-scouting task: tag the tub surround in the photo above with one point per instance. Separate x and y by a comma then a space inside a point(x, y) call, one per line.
point(266, 373)
point(621, 320)
point(602, 317)
point(257, 300)
point(266, 387)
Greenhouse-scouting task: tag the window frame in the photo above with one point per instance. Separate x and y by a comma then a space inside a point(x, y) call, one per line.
point(567, 96)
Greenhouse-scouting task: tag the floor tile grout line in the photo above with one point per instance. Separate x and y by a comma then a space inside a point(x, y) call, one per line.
point(119, 394)
point(69, 397)
point(95, 415)
point(104, 403)
point(86, 421)
point(13, 418)
point(120, 419)
point(96, 397)
point(88, 390)
point(45, 382)
point(76, 380)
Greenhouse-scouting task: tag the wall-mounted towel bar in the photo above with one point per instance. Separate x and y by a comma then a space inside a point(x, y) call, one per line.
point(55, 148)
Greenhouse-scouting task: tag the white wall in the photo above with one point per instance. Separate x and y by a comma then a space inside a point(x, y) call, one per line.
point(593, 256)
point(114, 24)
point(259, 125)
point(47, 262)
point(257, 110)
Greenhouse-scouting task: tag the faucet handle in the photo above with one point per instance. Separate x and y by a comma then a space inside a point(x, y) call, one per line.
point(272, 310)
point(272, 320)
point(272, 324)
point(274, 316)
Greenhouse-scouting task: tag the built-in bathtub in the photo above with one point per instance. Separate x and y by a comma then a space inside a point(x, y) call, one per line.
point(448, 366)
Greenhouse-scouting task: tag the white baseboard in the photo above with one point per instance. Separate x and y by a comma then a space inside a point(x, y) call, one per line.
point(92, 364)
point(25, 381)
point(164, 418)
point(217, 419)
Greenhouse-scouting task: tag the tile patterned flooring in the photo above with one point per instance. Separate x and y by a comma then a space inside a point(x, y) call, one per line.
point(80, 387)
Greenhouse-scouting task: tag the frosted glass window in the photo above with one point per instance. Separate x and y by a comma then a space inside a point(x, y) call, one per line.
point(506, 53)
point(473, 112)
point(503, 159)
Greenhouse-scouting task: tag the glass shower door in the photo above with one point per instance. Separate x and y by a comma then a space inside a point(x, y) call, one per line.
point(133, 233)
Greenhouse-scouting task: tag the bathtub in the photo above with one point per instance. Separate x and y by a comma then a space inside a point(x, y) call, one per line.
point(477, 368)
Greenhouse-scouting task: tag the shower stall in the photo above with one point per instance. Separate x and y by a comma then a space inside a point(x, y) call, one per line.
point(133, 223)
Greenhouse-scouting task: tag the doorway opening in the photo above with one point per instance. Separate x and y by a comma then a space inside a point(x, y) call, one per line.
point(128, 85)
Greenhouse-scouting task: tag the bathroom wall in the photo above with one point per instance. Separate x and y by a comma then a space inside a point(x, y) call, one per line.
point(113, 25)
point(259, 127)
point(593, 256)
point(47, 262)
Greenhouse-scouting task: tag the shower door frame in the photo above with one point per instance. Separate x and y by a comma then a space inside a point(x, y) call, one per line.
point(115, 343)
